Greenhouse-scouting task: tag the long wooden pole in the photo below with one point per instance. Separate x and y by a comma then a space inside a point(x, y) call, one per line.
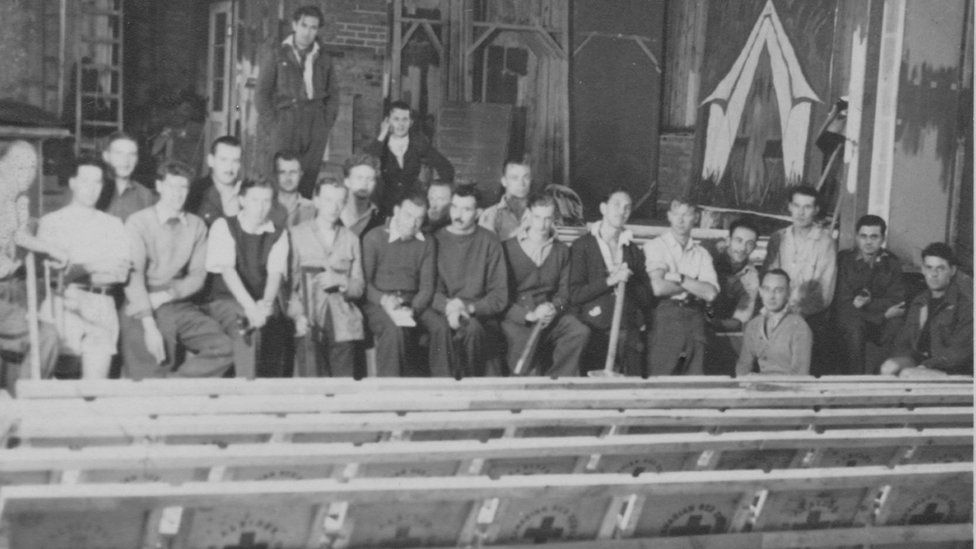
point(527, 351)
point(618, 311)
point(32, 320)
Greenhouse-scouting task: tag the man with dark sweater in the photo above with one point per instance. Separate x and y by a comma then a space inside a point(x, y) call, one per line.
point(216, 195)
point(398, 263)
point(538, 272)
point(598, 261)
point(472, 286)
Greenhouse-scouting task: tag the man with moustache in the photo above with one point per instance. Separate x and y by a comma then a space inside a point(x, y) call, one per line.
point(777, 341)
point(291, 208)
point(297, 92)
point(684, 281)
point(472, 287)
point(122, 196)
point(599, 260)
point(505, 218)
point(360, 213)
point(402, 155)
point(168, 248)
point(216, 195)
point(324, 244)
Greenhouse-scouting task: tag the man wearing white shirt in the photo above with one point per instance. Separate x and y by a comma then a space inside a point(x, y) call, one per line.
point(683, 278)
point(248, 256)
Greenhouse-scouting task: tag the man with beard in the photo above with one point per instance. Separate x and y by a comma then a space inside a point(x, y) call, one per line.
point(360, 214)
point(216, 195)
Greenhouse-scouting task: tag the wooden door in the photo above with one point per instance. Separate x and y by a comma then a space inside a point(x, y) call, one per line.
point(220, 63)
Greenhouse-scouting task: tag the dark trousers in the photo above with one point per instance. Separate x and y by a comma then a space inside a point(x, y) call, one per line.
point(183, 325)
point(630, 352)
point(329, 358)
point(823, 356)
point(564, 339)
point(398, 348)
point(259, 353)
point(852, 333)
point(301, 129)
point(677, 340)
point(467, 352)
point(15, 337)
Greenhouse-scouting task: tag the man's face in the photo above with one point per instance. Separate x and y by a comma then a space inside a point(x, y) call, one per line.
point(122, 155)
point(172, 191)
point(938, 273)
point(870, 239)
point(289, 174)
point(464, 212)
point(439, 199)
point(361, 181)
point(540, 220)
point(742, 242)
point(86, 187)
point(305, 30)
point(400, 122)
point(803, 210)
point(616, 210)
point(225, 164)
point(775, 292)
point(256, 204)
point(408, 217)
point(682, 218)
point(330, 201)
point(517, 180)
point(20, 166)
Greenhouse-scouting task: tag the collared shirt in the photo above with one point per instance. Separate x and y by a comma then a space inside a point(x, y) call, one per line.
point(811, 262)
point(89, 235)
point(168, 253)
point(301, 211)
point(783, 350)
point(132, 198)
point(691, 260)
point(222, 250)
point(307, 62)
point(502, 218)
point(357, 224)
point(612, 252)
point(395, 234)
point(537, 251)
point(398, 146)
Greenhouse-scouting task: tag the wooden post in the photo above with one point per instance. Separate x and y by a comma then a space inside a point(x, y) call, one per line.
point(32, 320)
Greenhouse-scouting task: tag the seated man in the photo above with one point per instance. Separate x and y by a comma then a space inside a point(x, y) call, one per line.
point(735, 304)
point(472, 287)
point(398, 265)
point(439, 206)
point(360, 213)
point(777, 341)
point(328, 255)
point(599, 261)
point(870, 294)
point(538, 268)
point(248, 257)
point(216, 195)
point(291, 208)
point(123, 196)
point(402, 155)
point(684, 280)
point(169, 249)
point(937, 338)
point(18, 169)
point(98, 259)
point(505, 218)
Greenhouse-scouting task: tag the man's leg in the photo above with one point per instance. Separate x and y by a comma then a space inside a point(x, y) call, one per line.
point(517, 337)
point(390, 341)
point(101, 334)
point(441, 354)
point(137, 361)
point(212, 350)
point(667, 342)
point(569, 337)
point(822, 359)
point(595, 353)
point(315, 136)
point(694, 329)
point(851, 332)
point(227, 313)
point(471, 341)
point(341, 359)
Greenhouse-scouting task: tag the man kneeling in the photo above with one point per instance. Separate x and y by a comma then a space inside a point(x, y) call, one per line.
point(777, 341)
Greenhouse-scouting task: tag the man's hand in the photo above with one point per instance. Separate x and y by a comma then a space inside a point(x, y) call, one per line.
point(59, 257)
point(384, 129)
point(301, 326)
point(158, 299)
point(895, 311)
point(861, 301)
point(389, 302)
point(545, 313)
point(257, 315)
point(454, 309)
point(921, 372)
point(620, 273)
point(890, 367)
point(750, 280)
point(153, 339)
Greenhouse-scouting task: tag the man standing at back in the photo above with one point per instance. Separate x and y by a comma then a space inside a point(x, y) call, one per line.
point(216, 195)
point(291, 208)
point(122, 196)
point(505, 218)
point(298, 95)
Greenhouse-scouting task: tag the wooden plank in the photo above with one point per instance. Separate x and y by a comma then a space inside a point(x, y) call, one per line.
point(44, 498)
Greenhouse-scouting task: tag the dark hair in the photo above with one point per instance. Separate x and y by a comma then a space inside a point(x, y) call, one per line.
point(606, 198)
point(228, 140)
point(940, 249)
point(743, 223)
point(779, 272)
point(118, 136)
point(683, 200)
point(416, 197)
point(308, 11)
point(324, 182)
point(174, 167)
point(540, 199)
point(286, 155)
point(465, 191)
point(524, 160)
point(249, 184)
point(360, 160)
point(871, 221)
point(88, 159)
point(399, 105)
point(442, 183)
point(805, 190)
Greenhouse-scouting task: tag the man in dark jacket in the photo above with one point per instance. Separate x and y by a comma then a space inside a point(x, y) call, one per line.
point(402, 154)
point(298, 96)
point(937, 338)
point(598, 261)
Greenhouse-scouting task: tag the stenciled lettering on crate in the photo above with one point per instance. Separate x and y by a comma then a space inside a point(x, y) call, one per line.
point(406, 525)
point(696, 514)
point(810, 510)
point(526, 521)
point(223, 527)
